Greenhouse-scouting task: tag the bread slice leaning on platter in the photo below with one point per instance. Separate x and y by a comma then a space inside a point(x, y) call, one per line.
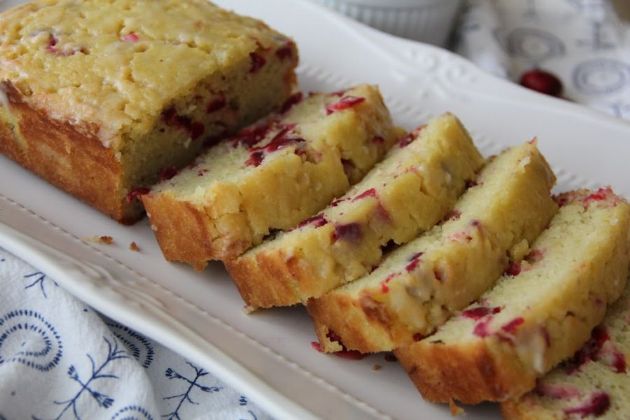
point(538, 314)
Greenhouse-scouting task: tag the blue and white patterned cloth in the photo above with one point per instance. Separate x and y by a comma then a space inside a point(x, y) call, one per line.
point(583, 42)
point(61, 360)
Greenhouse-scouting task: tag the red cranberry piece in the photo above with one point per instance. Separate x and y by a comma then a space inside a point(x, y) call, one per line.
point(257, 62)
point(542, 81)
point(344, 103)
point(131, 37)
point(589, 351)
point(417, 337)
point(619, 362)
point(255, 158)
point(513, 325)
point(168, 173)
point(216, 104)
point(172, 119)
point(409, 138)
point(367, 193)
point(291, 101)
point(137, 192)
point(482, 327)
point(599, 195)
point(285, 52)
point(350, 232)
point(317, 346)
point(453, 215)
point(513, 269)
point(414, 261)
point(384, 287)
point(52, 43)
point(317, 221)
point(480, 311)
point(249, 136)
point(52, 48)
point(281, 140)
point(596, 405)
point(338, 201)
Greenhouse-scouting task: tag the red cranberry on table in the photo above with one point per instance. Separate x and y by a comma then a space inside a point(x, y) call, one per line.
point(542, 81)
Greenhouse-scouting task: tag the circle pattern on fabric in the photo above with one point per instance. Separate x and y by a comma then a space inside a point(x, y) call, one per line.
point(26, 337)
point(534, 44)
point(601, 76)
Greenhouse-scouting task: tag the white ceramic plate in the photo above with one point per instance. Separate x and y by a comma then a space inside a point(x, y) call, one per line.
point(268, 354)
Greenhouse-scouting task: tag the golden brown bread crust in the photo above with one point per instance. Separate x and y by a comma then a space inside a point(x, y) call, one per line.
point(279, 280)
point(178, 224)
point(489, 377)
point(273, 284)
point(342, 316)
point(74, 161)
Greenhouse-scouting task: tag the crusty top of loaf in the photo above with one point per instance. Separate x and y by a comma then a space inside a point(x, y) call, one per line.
point(115, 64)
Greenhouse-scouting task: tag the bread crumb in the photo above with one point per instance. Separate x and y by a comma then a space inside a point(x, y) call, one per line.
point(377, 367)
point(455, 409)
point(107, 240)
point(133, 246)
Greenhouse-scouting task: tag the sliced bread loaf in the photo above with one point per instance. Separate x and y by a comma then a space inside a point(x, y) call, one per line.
point(595, 383)
point(539, 313)
point(407, 193)
point(270, 176)
point(420, 285)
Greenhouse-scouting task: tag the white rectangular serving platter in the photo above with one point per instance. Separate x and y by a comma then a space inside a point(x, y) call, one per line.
point(268, 354)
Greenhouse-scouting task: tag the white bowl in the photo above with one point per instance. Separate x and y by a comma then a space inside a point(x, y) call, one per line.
point(428, 21)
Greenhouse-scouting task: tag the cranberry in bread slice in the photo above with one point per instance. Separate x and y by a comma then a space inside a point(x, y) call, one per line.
point(421, 284)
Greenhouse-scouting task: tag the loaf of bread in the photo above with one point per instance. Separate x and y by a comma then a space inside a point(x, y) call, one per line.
point(539, 313)
point(407, 193)
point(594, 383)
point(270, 176)
point(420, 285)
point(103, 98)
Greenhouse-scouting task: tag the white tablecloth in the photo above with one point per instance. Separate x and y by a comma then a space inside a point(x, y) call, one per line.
point(59, 359)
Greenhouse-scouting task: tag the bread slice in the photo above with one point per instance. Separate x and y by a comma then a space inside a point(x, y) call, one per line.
point(103, 98)
point(270, 176)
point(420, 285)
point(539, 313)
point(595, 383)
point(407, 193)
